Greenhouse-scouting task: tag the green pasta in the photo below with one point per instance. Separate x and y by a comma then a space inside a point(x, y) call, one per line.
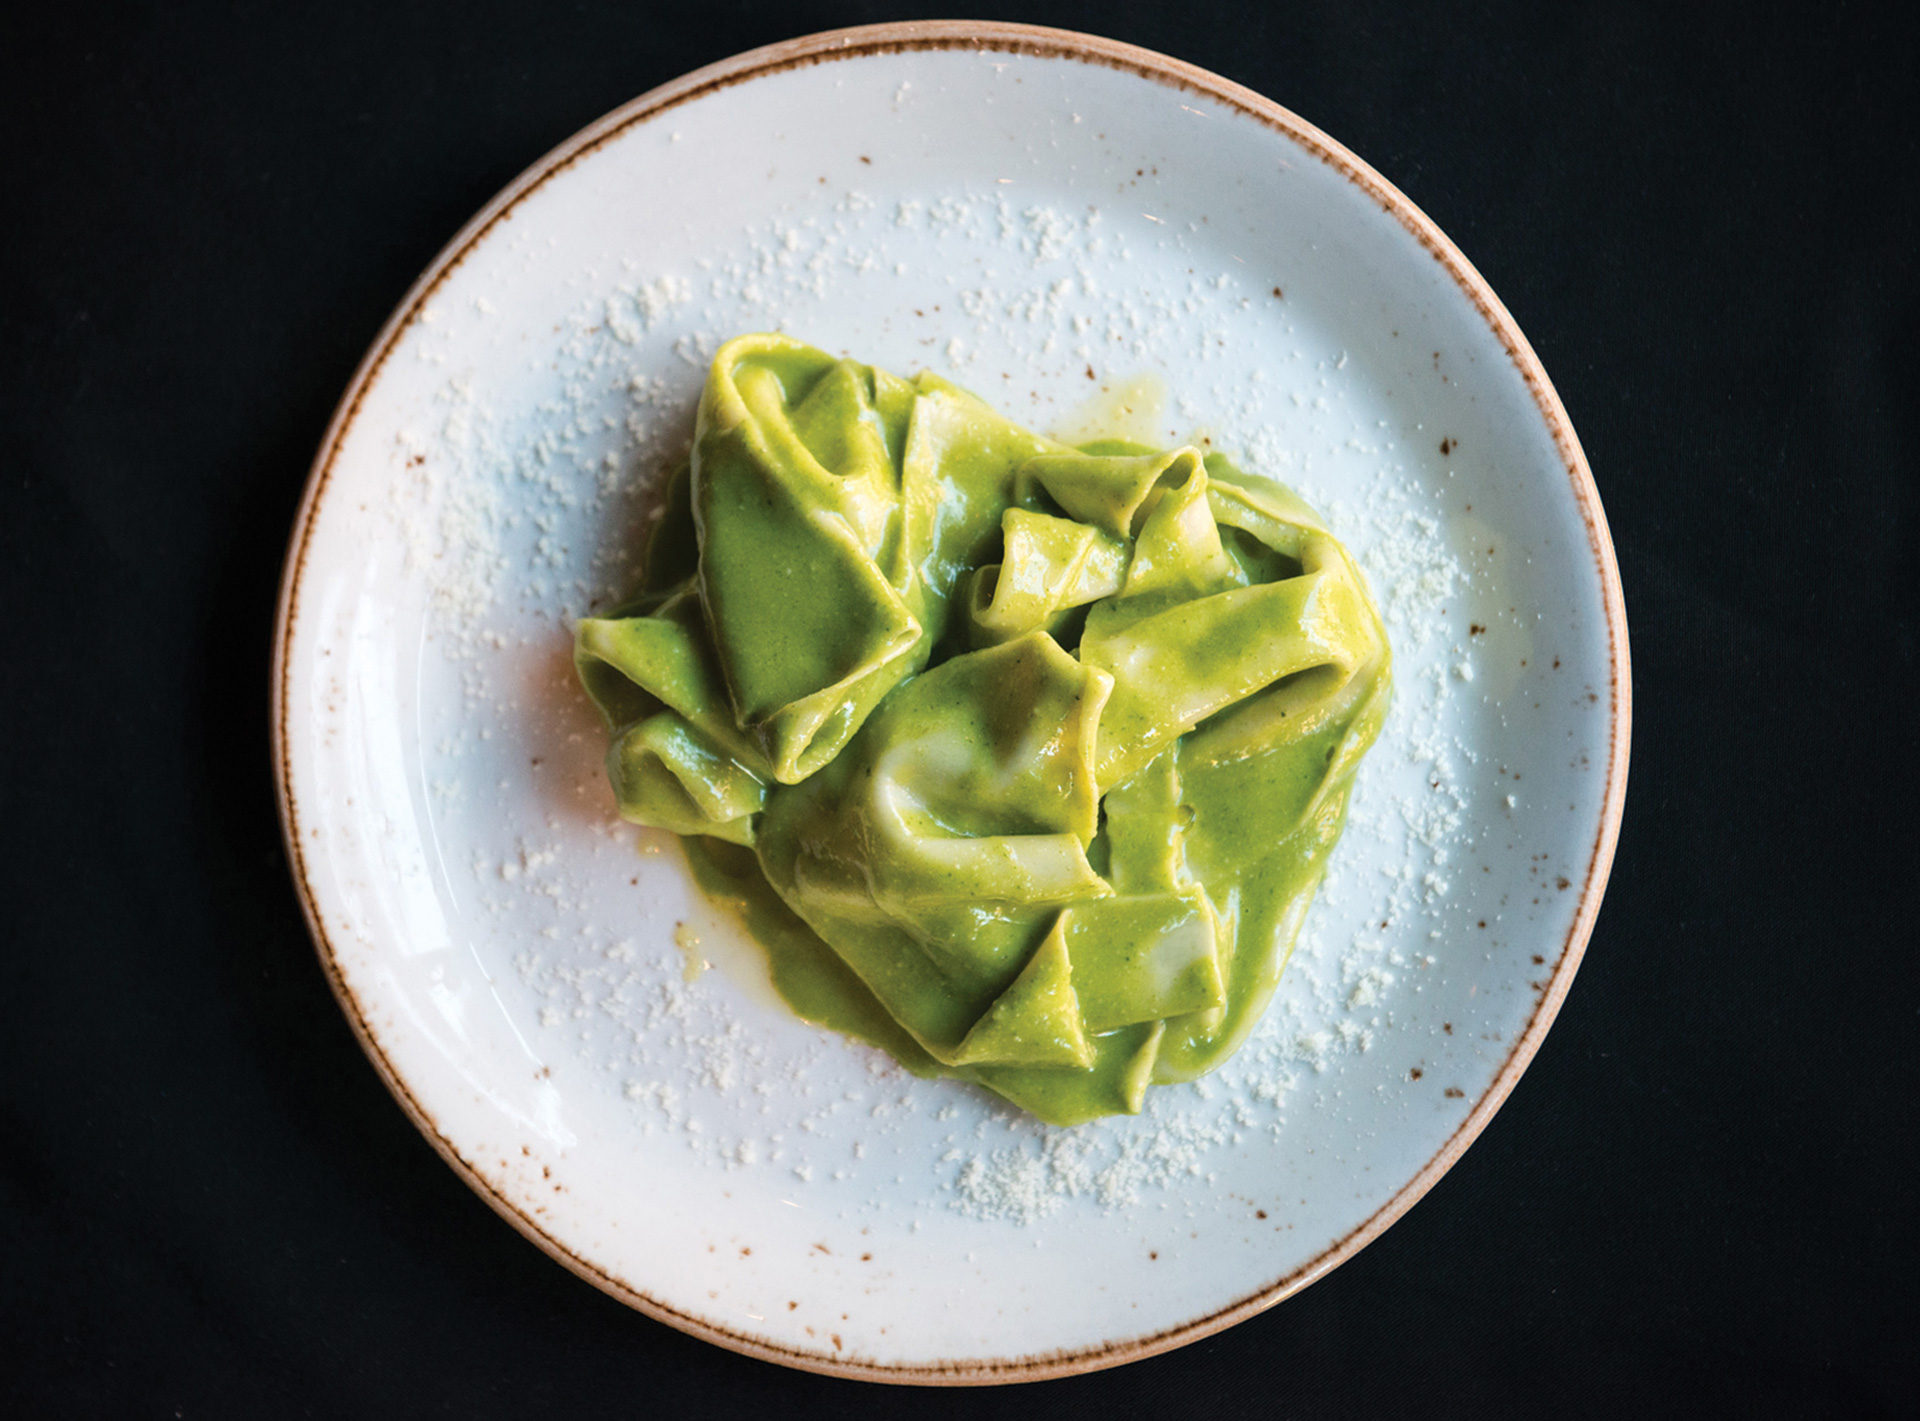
point(1021, 761)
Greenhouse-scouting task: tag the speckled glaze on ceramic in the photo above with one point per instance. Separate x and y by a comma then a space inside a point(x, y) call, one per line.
point(858, 1269)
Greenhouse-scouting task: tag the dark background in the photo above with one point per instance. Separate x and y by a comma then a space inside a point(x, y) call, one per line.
point(1702, 1195)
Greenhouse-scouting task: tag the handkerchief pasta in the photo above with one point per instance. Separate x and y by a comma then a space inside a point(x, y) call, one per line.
point(1024, 761)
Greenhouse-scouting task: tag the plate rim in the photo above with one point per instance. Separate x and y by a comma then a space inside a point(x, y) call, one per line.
point(865, 41)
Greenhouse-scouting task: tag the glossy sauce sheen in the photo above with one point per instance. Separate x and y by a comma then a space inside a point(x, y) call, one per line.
point(1021, 761)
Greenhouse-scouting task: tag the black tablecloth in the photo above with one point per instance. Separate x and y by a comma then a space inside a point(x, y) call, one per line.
point(1700, 1196)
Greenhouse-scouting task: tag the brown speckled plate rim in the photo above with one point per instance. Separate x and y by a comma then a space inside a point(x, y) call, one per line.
point(861, 42)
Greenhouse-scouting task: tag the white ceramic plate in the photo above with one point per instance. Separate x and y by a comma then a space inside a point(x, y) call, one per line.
point(1053, 220)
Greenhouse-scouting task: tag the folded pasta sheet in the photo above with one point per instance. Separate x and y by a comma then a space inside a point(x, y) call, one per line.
point(1021, 761)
